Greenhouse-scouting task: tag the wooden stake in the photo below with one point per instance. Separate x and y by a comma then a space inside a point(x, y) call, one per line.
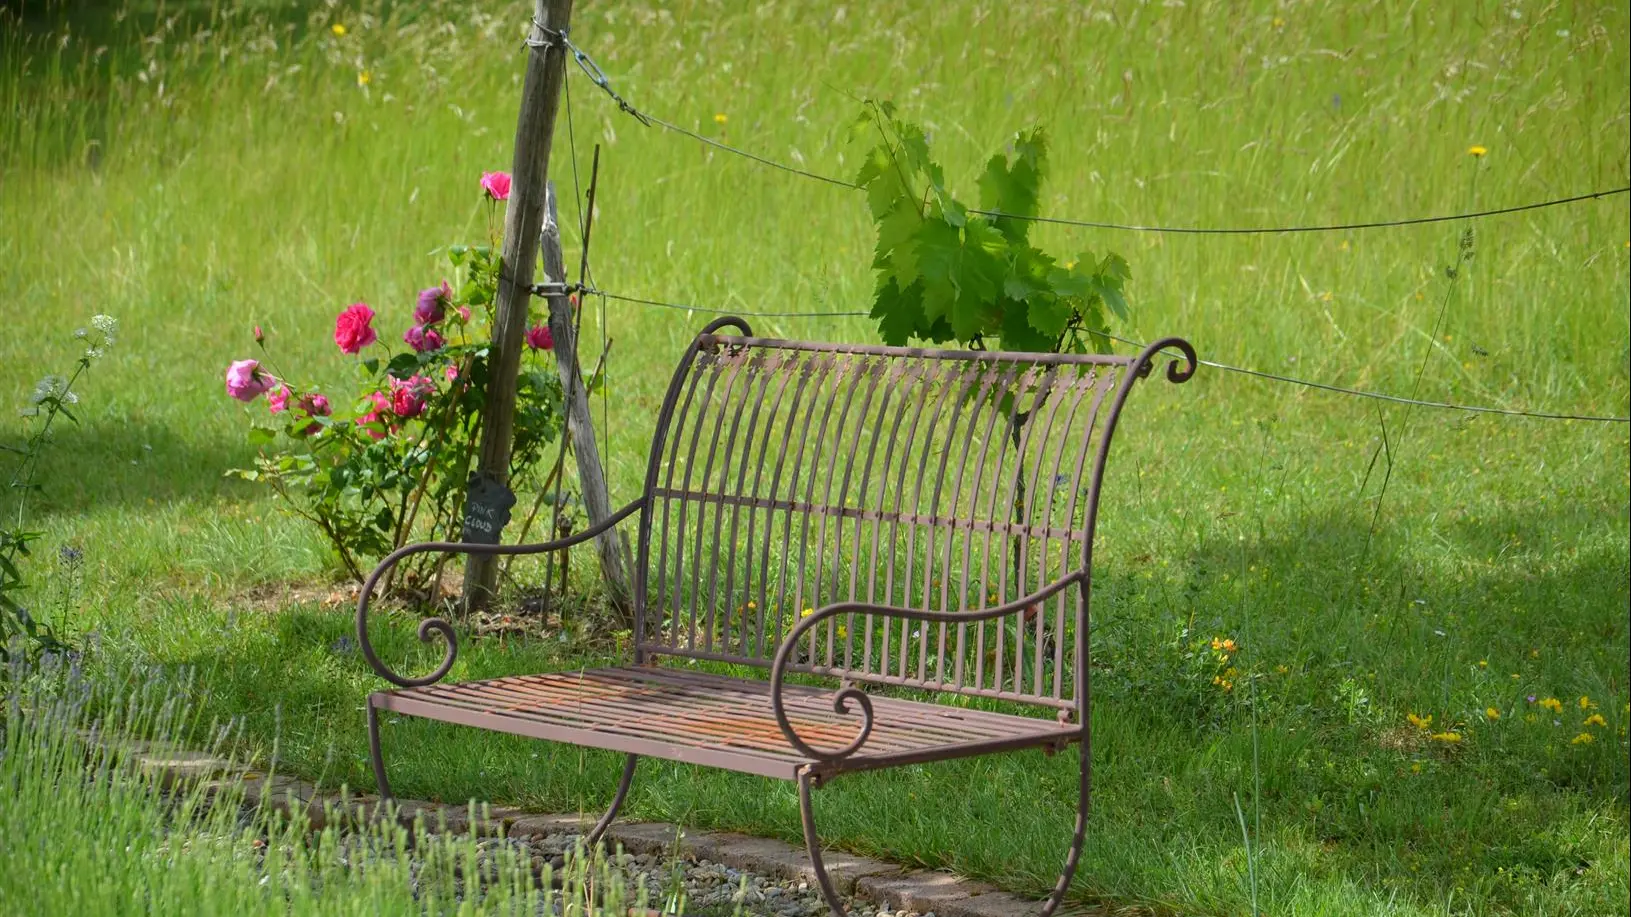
point(614, 561)
point(523, 219)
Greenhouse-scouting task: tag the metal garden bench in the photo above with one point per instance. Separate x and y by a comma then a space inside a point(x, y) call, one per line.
point(913, 522)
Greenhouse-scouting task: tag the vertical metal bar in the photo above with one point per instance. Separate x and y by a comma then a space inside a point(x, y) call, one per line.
point(942, 518)
point(1029, 516)
point(953, 380)
point(877, 372)
point(703, 367)
point(1027, 383)
point(1079, 386)
point(742, 364)
point(863, 371)
point(685, 505)
point(842, 380)
point(1013, 387)
point(805, 367)
point(824, 369)
point(1000, 384)
point(914, 371)
point(984, 397)
point(1102, 384)
point(782, 368)
point(933, 370)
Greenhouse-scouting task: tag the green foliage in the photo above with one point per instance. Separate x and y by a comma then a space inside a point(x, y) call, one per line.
point(20, 630)
point(947, 273)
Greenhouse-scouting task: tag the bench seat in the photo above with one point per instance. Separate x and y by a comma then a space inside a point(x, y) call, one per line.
point(715, 720)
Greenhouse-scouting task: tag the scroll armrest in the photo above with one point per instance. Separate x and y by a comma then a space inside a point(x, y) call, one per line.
point(778, 669)
point(440, 625)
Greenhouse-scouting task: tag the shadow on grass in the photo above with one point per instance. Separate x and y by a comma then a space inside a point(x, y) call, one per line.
point(99, 465)
point(1312, 742)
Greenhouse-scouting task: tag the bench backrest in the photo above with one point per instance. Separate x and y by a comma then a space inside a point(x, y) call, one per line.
point(785, 476)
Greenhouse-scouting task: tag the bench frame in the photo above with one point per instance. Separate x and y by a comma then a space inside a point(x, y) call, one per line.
point(1073, 713)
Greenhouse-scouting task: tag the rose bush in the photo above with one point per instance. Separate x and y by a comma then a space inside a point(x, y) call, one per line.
point(394, 467)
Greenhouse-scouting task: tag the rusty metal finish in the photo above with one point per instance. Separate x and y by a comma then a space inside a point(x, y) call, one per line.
point(713, 720)
point(879, 516)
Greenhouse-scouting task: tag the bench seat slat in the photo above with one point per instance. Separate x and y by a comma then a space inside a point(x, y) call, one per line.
point(715, 720)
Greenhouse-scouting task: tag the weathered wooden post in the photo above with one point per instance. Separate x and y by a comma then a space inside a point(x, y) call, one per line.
point(579, 425)
point(523, 219)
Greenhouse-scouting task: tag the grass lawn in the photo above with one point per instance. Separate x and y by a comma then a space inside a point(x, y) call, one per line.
point(199, 169)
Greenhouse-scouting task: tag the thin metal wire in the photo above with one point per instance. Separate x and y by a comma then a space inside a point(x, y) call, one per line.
point(1362, 393)
point(1334, 227)
point(706, 310)
point(1381, 396)
point(599, 78)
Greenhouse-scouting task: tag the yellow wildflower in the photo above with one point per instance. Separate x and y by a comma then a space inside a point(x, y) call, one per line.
point(807, 612)
point(1420, 722)
point(1552, 704)
point(1228, 646)
point(1585, 703)
point(1584, 738)
point(1483, 663)
point(1447, 737)
point(338, 30)
point(1279, 23)
point(364, 77)
point(1280, 669)
point(1492, 713)
point(1476, 151)
point(720, 118)
point(1596, 719)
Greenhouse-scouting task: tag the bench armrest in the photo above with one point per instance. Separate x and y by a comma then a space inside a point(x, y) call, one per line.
point(440, 625)
point(778, 669)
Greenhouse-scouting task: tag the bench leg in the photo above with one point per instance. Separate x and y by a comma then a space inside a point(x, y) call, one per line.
point(1075, 855)
point(382, 785)
point(617, 802)
point(813, 845)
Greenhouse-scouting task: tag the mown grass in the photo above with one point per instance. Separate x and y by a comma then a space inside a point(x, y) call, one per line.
point(250, 178)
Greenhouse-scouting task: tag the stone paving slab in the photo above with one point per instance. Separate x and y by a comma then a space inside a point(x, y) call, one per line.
point(884, 884)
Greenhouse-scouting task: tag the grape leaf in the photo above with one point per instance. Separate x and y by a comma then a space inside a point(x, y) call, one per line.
point(899, 312)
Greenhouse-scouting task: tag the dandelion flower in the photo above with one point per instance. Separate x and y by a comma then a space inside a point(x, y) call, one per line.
point(1584, 738)
point(1420, 722)
point(720, 118)
point(1449, 738)
point(1492, 713)
point(1596, 719)
point(1476, 151)
point(364, 77)
point(338, 30)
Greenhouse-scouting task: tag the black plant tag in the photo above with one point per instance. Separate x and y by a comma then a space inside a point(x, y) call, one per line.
point(486, 509)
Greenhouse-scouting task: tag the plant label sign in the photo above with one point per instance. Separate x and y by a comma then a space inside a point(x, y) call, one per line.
point(486, 509)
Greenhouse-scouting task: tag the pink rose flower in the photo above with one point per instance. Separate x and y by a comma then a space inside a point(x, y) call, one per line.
point(432, 306)
point(496, 184)
point(539, 338)
point(452, 372)
point(278, 400)
point(260, 336)
point(408, 396)
point(422, 338)
point(246, 381)
point(382, 403)
point(315, 404)
point(464, 313)
point(354, 328)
